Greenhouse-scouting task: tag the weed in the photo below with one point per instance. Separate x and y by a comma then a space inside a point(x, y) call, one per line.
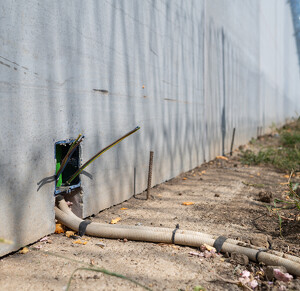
point(254, 185)
point(292, 202)
point(91, 268)
point(285, 157)
point(289, 139)
point(104, 271)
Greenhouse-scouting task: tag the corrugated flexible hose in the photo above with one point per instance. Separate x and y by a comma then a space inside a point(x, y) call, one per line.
point(166, 235)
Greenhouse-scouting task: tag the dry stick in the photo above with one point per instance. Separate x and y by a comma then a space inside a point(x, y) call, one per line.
point(150, 174)
point(233, 282)
point(232, 141)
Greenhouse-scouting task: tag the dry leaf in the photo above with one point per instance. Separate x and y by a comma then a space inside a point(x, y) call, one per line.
point(222, 158)
point(24, 250)
point(286, 176)
point(188, 203)
point(209, 248)
point(116, 220)
point(92, 262)
point(70, 233)
point(203, 172)
point(184, 178)
point(123, 208)
point(258, 174)
point(59, 228)
point(286, 183)
point(80, 242)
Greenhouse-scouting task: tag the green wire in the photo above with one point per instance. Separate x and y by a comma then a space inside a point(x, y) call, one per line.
point(63, 162)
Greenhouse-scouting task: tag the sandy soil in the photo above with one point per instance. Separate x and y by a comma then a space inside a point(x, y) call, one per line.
point(225, 194)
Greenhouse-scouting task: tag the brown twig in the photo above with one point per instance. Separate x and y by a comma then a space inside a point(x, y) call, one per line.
point(239, 283)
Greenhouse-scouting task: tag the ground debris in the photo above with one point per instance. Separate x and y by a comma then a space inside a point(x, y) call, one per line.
point(265, 196)
point(239, 259)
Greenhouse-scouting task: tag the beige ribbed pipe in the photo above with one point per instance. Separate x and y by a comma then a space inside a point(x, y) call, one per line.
point(64, 207)
point(181, 238)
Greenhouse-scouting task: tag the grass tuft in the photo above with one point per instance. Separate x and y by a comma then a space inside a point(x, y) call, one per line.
point(285, 156)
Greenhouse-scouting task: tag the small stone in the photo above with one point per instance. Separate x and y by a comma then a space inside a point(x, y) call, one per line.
point(239, 259)
point(270, 271)
point(217, 195)
point(96, 277)
point(125, 240)
point(265, 196)
point(100, 244)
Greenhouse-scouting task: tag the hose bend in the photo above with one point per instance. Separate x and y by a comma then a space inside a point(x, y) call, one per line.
point(166, 235)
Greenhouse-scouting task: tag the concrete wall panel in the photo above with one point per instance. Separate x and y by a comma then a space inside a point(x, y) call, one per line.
point(187, 72)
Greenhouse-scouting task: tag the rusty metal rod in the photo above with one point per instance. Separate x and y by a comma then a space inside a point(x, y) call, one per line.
point(232, 141)
point(134, 181)
point(150, 174)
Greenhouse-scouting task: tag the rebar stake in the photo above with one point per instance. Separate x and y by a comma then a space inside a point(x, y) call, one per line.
point(232, 141)
point(134, 181)
point(150, 174)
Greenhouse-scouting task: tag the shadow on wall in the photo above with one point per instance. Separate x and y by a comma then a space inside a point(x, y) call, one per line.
point(169, 67)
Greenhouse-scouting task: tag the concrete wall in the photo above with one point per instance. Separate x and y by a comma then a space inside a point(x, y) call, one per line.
point(187, 72)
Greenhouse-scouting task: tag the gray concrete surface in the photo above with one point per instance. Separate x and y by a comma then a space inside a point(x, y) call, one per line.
point(187, 72)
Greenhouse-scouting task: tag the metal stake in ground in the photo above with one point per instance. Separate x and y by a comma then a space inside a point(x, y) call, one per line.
point(232, 141)
point(134, 180)
point(150, 174)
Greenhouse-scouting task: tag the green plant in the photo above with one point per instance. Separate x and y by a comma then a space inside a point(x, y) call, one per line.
point(282, 158)
point(292, 202)
point(104, 271)
point(91, 268)
point(290, 139)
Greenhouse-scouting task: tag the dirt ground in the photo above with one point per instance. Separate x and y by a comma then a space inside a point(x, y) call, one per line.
point(225, 196)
